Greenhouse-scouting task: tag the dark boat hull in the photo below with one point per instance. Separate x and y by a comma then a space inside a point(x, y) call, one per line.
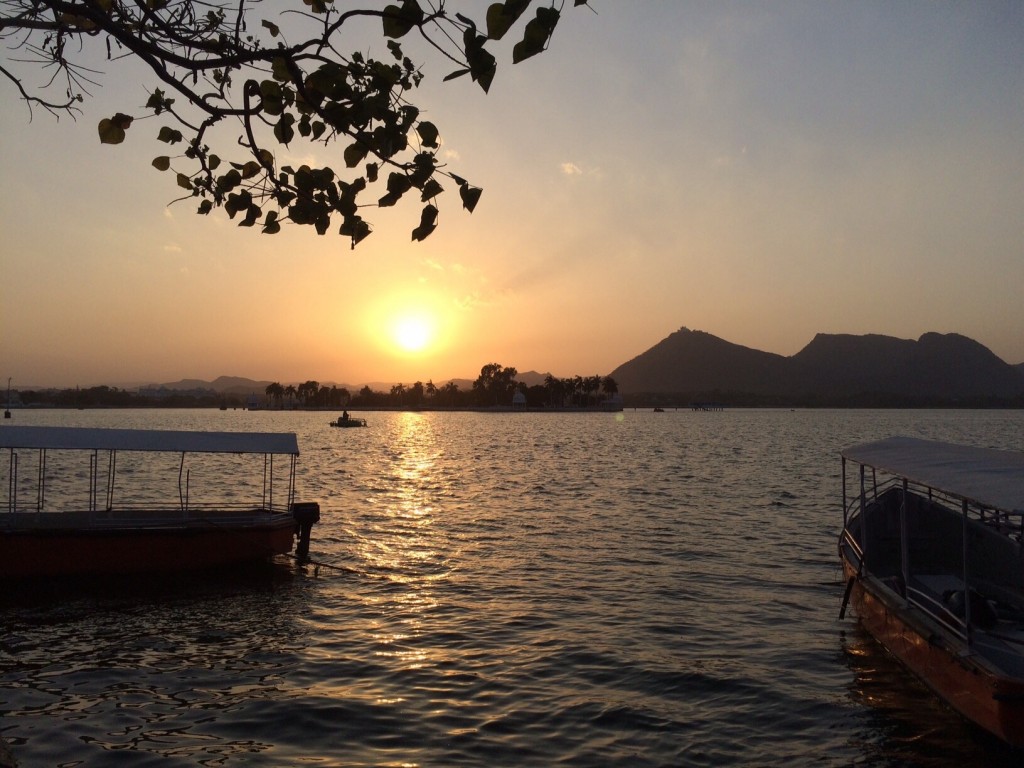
point(91, 551)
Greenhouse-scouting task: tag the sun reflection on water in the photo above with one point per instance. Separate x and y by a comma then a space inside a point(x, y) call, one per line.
point(406, 487)
point(403, 542)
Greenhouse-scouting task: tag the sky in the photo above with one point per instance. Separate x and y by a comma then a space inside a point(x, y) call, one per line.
point(763, 171)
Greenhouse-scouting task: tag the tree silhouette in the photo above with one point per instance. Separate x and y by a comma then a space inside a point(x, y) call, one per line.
point(450, 392)
point(495, 384)
point(308, 391)
point(275, 393)
point(416, 393)
point(241, 82)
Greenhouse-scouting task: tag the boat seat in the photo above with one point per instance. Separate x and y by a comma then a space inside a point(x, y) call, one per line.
point(939, 583)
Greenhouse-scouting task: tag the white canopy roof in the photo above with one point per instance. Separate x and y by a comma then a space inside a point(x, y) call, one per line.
point(83, 438)
point(990, 478)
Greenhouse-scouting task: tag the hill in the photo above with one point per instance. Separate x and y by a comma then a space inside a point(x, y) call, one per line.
point(237, 385)
point(834, 369)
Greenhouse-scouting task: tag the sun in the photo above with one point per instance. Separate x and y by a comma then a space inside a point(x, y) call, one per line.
point(410, 325)
point(412, 333)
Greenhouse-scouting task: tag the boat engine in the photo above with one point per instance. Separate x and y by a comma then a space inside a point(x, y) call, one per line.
point(305, 513)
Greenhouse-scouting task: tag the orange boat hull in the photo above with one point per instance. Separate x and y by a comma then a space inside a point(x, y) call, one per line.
point(993, 702)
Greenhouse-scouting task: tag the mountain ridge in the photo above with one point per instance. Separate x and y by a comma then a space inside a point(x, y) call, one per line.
point(832, 368)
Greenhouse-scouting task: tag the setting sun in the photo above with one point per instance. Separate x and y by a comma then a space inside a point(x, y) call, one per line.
point(412, 333)
point(412, 327)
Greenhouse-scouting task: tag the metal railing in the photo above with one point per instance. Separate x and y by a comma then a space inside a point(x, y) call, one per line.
point(939, 611)
point(84, 495)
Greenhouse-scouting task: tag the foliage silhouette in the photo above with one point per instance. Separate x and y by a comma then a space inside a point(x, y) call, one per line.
point(243, 83)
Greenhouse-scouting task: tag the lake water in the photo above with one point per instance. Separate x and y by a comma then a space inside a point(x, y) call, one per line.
point(517, 589)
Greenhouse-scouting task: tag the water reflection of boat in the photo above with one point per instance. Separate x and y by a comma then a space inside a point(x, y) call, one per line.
point(71, 512)
point(931, 548)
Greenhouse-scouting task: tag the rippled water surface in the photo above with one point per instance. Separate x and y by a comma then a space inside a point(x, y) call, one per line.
point(642, 589)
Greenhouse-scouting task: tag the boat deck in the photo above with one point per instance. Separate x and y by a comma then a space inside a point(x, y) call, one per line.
point(997, 635)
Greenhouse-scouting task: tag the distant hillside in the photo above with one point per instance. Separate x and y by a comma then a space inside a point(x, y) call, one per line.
point(695, 361)
point(530, 378)
point(241, 386)
point(835, 369)
point(947, 366)
point(222, 384)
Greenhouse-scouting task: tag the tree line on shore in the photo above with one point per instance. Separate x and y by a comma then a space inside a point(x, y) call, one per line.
point(113, 397)
point(496, 386)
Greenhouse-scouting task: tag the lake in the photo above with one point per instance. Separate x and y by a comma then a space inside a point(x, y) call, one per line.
point(513, 589)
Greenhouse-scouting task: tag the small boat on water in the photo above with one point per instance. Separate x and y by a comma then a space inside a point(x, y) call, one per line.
point(933, 555)
point(348, 421)
point(83, 501)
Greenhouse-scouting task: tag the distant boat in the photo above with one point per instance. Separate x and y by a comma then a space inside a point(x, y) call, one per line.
point(348, 421)
point(931, 550)
point(122, 528)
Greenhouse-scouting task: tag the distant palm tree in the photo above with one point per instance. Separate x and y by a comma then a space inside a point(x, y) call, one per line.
point(450, 392)
point(274, 393)
point(308, 391)
point(416, 393)
point(554, 389)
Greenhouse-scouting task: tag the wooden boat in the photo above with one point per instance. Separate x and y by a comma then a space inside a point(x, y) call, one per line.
point(348, 421)
point(115, 501)
point(934, 560)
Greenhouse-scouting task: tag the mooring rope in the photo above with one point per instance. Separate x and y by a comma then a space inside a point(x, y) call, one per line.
point(318, 564)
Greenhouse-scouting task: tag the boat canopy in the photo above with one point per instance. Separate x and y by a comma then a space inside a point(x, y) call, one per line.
point(983, 476)
point(155, 440)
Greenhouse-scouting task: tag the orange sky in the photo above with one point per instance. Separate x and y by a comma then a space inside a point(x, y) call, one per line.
point(762, 172)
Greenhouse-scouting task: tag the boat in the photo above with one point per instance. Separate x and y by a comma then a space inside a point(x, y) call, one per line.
point(84, 501)
point(348, 421)
point(933, 556)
